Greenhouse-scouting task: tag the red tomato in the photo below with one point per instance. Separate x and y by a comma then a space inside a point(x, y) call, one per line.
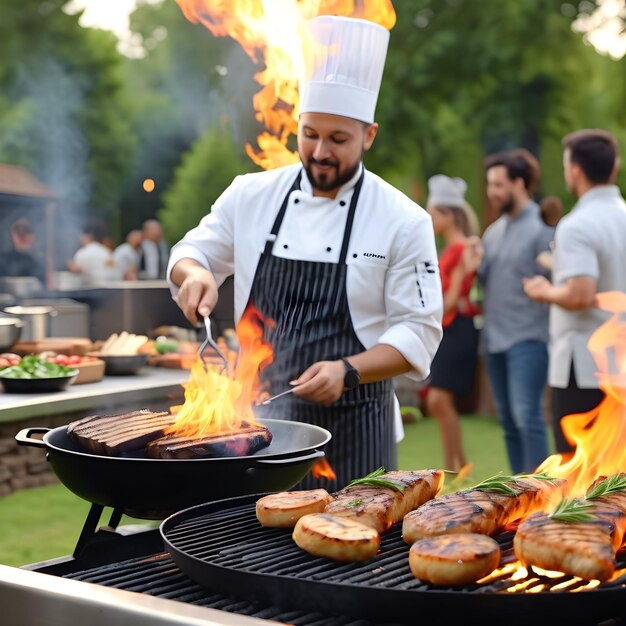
point(61, 359)
point(4, 362)
point(73, 360)
point(15, 361)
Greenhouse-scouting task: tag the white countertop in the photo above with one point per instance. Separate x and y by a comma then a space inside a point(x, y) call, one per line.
point(150, 383)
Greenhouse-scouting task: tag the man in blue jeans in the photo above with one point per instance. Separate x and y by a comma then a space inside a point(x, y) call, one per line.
point(515, 333)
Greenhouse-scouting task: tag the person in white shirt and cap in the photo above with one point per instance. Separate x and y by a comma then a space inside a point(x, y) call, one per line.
point(343, 264)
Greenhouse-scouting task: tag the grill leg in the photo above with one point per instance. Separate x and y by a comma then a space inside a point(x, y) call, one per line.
point(116, 518)
point(89, 527)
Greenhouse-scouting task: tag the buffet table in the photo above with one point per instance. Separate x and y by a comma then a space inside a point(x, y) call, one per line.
point(151, 385)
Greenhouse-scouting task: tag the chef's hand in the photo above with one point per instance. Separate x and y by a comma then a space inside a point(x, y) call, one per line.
point(197, 294)
point(322, 382)
point(537, 288)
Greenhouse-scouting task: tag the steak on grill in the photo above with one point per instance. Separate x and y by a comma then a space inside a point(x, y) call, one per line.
point(242, 442)
point(381, 507)
point(114, 435)
point(482, 512)
point(585, 549)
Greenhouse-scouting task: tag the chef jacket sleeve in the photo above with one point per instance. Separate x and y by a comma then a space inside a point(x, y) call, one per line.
point(413, 296)
point(211, 242)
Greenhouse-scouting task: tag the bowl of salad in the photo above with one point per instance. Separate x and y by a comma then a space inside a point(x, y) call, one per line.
point(36, 375)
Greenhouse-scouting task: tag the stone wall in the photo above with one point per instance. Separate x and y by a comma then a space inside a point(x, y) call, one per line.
point(23, 467)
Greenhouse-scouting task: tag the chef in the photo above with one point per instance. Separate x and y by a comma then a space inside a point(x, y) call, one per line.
point(342, 263)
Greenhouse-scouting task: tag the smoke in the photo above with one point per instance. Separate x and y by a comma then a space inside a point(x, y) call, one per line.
point(62, 149)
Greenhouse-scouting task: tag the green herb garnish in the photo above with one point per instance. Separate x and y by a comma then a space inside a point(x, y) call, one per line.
point(573, 510)
point(355, 502)
point(373, 479)
point(611, 484)
point(500, 482)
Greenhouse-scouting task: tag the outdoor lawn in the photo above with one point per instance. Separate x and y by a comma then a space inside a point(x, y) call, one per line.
point(45, 523)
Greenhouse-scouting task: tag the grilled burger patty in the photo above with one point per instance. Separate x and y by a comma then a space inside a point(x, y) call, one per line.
point(337, 538)
point(455, 559)
point(585, 549)
point(381, 507)
point(483, 512)
point(284, 509)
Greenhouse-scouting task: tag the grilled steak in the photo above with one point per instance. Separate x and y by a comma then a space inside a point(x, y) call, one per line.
point(340, 539)
point(455, 559)
point(581, 548)
point(114, 435)
point(380, 507)
point(242, 442)
point(483, 512)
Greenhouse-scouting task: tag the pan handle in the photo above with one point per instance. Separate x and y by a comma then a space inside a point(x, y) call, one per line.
point(24, 438)
point(293, 460)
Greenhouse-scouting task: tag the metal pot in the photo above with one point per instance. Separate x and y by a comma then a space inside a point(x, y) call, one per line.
point(10, 331)
point(155, 488)
point(35, 320)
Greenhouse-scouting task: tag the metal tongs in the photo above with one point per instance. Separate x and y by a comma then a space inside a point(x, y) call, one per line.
point(209, 341)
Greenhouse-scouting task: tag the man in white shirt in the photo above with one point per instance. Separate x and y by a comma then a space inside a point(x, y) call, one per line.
point(589, 257)
point(344, 264)
point(94, 261)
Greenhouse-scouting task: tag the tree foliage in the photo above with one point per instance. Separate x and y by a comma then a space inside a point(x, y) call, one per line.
point(62, 111)
point(205, 171)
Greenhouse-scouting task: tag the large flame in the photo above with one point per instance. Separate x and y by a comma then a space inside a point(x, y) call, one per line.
point(219, 400)
point(599, 436)
point(271, 32)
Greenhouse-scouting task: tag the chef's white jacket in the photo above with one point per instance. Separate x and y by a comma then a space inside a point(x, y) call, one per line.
point(393, 283)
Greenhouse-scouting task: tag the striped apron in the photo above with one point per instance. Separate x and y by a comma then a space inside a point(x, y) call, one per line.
point(308, 304)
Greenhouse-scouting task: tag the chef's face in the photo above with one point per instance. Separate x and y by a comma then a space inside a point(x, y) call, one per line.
point(331, 148)
point(501, 189)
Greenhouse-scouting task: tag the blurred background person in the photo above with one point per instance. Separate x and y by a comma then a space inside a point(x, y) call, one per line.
point(454, 366)
point(25, 257)
point(551, 210)
point(154, 253)
point(589, 257)
point(127, 255)
point(94, 260)
point(514, 337)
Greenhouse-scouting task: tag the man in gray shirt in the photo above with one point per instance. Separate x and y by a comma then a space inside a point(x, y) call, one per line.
point(515, 332)
point(589, 258)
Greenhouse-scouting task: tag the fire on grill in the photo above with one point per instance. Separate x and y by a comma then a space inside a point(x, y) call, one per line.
point(215, 420)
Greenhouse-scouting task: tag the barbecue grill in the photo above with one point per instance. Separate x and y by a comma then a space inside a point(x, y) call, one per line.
point(221, 563)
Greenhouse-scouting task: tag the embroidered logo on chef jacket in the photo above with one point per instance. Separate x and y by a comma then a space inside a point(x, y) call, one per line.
point(425, 273)
point(373, 255)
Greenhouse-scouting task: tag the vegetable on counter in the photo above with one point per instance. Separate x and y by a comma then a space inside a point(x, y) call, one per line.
point(35, 367)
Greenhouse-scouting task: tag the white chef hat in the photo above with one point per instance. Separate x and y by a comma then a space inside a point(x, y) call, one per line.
point(344, 61)
point(444, 191)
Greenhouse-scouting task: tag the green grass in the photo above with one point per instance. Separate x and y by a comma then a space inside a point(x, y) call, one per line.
point(44, 523)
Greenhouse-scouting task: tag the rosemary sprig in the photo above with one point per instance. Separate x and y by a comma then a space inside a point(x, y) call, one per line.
point(373, 479)
point(499, 482)
point(611, 484)
point(573, 510)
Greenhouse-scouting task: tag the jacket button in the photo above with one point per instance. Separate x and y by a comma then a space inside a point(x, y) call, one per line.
point(342, 203)
point(328, 249)
point(296, 201)
point(355, 255)
point(285, 246)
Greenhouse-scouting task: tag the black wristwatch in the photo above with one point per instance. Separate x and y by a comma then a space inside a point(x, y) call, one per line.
point(352, 377)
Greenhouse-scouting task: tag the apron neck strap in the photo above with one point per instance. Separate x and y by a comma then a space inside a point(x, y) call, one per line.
point(350, 219)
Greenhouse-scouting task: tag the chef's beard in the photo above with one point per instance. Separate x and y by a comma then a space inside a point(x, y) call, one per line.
point(507, 206)
point(325, 183)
